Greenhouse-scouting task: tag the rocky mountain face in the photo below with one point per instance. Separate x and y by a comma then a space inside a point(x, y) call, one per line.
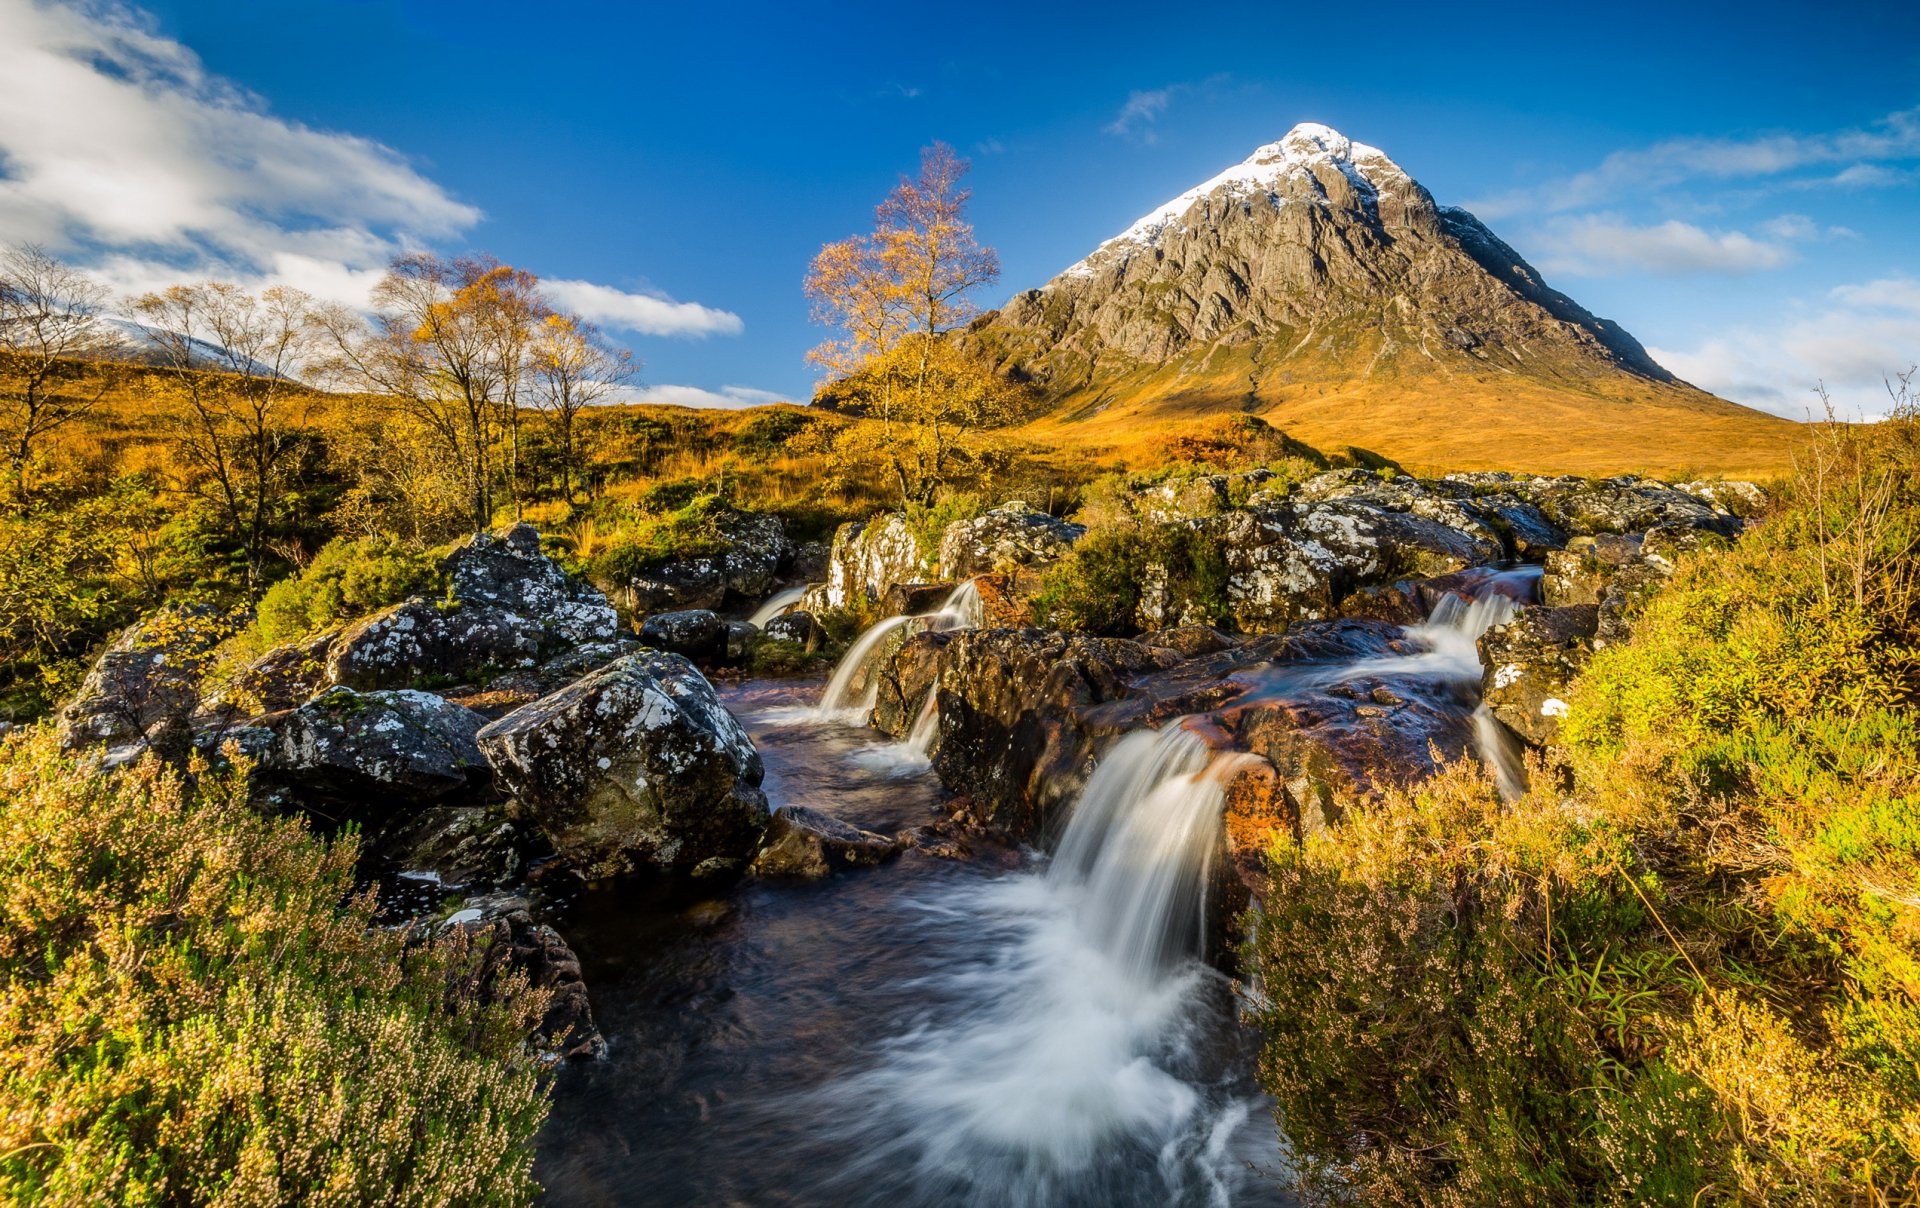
point(1315, 253)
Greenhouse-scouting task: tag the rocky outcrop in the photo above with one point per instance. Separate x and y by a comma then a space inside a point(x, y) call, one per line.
point(695, 633)
point(1531, 662)
point(635, 768)
point(799, 627)
point(1010, 535)
point(508, 608)
point(142, 690)
point(285, 677)
point(1617, 573)
point(904, 680)
point(1015, 735)
point(367, 757)
point(755, 555)
point(502, 929)
point(803, 842)
point(1627, 504)
point(867, 558)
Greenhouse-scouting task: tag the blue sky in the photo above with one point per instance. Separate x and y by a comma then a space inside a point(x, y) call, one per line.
point(1737, 185)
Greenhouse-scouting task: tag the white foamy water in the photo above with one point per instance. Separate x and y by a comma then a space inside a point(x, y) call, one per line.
point(1066, 1066)
point(850, 694)
point(776, 604)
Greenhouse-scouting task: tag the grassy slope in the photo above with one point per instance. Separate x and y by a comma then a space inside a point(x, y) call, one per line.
point(1434, 417)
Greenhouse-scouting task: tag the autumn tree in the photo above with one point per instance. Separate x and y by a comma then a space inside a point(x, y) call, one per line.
point(897, 294)
point(49, 322)
point(573, 367)
point(234, 357)
point(449, 341)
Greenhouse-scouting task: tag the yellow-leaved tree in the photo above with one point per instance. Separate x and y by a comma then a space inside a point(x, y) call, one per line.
point(896, 295)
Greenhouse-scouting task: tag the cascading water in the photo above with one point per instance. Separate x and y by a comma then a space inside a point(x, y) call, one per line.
point(777, 603)
point(1068, 1067)
point(850, 694)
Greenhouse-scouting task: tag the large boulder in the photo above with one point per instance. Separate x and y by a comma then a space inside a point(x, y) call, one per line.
point(285, 677)
point(637, 767)
point(1531, 662)
point(867, 558)
point(799, 627)
point(370, 757)
point(1010, 535)
point(142, 690)
point(904, 679)
point(754, 555)
point(696, 633)
point(508, 608)
point(803, 842)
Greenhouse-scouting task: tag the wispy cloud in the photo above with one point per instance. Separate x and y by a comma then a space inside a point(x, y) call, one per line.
point(696, 396)
point(1599, 245)
point(1862, 155)
point(1851, 341)
point(1143, 108)
point(119, 149)
point(646, 314)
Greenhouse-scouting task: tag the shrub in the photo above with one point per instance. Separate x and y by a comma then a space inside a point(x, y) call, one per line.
point(689, 530)
point(346, 579)
point(192, 1009)
point(1101, 585)
point(928, 521)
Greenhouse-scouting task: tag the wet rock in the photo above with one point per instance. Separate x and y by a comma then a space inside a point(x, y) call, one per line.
point(803, 842)
point(904, 681)
point(801, 628)
point(1188, 641)
point(146, 682)
point(368, 757)
point(939, 841)
point(635, 768)
point(696, 633)
point(1010, 535)
point(1014, 736)
point(912, 599)
point(1531, 662)
point(502, 928)
point(754, 555)
point(463, 845)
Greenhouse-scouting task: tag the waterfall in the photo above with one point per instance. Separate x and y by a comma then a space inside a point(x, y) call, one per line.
point(776, 604)
point(1035, 1076)
point(850, 694)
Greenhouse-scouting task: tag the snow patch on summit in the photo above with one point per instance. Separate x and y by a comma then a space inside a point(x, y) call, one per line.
point(1303, 148)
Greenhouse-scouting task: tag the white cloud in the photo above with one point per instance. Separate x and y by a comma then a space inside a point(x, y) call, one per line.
point(695, 396)
point(1603, 244)
point(1644, 170)
point(119, 150)
point(1852, 342)
point(643, 313)
point(1142, 110)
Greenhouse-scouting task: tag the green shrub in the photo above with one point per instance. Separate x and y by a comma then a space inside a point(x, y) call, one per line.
point(1100, 586)
point(689, 530)
point(928, 521)
point(194, 1010)
point(348, 578)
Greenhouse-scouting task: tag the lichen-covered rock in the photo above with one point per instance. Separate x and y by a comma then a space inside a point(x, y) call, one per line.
point(509, 607)
point(1531, 662)
point(1627, 504)
point(637, 767)
point(369, 756)
point(695, 632)
point(1012, 534)
point(146, 683)
point(442, 642)
point(510, 573)
point(741, 635)
point(866, 559)
point(803, 842)
point(912, 599)
point(1618, 573)
point(754, 555)
point(471, 846)
point(502, 928)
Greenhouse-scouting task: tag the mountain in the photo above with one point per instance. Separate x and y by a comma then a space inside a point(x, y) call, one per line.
point(1319, 286)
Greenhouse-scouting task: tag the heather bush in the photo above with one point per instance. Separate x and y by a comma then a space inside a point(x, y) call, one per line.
point(1685, 968)
point(346, 579)
point(193, 1009)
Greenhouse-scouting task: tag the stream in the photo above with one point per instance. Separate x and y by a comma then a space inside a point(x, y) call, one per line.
point(987, 1031)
